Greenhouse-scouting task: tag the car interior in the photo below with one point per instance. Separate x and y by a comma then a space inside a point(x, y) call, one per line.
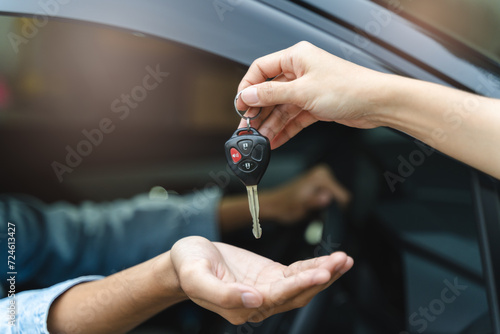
point(410, 227)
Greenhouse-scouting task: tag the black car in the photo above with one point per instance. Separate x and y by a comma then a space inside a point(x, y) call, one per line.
point(423, 229)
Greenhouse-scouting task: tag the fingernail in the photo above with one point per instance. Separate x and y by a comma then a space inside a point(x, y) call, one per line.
point(349, 263)
point(249, 95)
point(250, 300)
point(343, 271)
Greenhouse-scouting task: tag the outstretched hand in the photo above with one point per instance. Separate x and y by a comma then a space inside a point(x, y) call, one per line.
point(242, 286)
point(309, 85)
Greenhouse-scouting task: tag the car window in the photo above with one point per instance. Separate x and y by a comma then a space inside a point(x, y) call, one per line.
point(475, 23)
point(117, 98)
point(68, 68)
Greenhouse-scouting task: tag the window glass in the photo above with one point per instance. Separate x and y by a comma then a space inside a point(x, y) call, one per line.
point(140, 101)
point(475, 23)
point(76, 70)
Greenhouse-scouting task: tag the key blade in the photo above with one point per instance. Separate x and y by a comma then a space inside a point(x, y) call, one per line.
point(253, 202)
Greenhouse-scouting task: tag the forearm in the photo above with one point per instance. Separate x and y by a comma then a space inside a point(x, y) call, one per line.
point(119, 302)
point(317, 86)
point(459, 124)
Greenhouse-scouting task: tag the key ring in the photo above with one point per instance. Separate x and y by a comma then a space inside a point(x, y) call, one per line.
point(239, 112)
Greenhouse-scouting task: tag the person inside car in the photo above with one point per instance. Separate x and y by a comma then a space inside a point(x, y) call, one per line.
point(60, 241)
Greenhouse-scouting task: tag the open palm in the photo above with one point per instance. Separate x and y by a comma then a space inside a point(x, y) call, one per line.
point(242, 286)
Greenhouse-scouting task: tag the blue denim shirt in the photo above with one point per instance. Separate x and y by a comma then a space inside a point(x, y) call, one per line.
point(60, 242)
point(27, 311)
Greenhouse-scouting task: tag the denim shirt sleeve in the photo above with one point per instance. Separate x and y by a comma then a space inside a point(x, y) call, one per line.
point(61, 241)
point(27, 311)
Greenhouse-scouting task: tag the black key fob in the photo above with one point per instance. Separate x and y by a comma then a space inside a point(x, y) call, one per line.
point(248, 153)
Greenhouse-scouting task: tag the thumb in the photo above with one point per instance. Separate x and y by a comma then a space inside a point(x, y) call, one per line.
point(269, 93)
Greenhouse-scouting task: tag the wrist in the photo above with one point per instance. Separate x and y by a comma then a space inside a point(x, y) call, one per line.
point(166, 278)
point(402, 104)
point(382, 99)
point(397, 103)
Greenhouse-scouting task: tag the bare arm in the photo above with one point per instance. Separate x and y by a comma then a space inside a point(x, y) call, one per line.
point(118, 303)
point(315, 86)
point(237, 284)
point(462, 125)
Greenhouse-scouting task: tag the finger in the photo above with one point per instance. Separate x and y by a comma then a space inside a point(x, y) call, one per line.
point(272, 120)
point(277, 119)
point(262, 111)
point(348, 265)
point(255, 123)
point(227, 295)
point(307, 295)
point(307, 292)
point(313, 272)
point(241, 105)
point(333, 263)
point(286, 289)
point(303, 298)
point(284, 293)
point(331, 186)
point(339, 193)
point(304, 265)
point(272, 93)
point(289, 130)
point(264, 68)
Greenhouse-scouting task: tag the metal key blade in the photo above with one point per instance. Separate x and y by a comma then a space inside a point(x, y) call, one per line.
point(253, 202)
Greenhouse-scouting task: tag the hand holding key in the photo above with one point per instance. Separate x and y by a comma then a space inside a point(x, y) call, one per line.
point(309, 85)
point(248, 154)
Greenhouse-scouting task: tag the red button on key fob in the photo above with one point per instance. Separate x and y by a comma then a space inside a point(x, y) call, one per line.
point(235, 155)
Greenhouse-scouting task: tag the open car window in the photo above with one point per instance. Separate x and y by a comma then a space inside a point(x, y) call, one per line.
point(475, 23)
point(74, 69)
point(156, 103)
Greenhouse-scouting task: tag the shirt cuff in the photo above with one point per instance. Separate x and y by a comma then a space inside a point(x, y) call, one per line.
point(30, 309)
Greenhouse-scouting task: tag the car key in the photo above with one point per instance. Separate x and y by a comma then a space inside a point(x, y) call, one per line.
point(248, 154)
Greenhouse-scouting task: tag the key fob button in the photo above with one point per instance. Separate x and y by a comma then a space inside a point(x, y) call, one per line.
point(247, 166)
point(235, 155)
point(245, 146)
point(257, 153)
